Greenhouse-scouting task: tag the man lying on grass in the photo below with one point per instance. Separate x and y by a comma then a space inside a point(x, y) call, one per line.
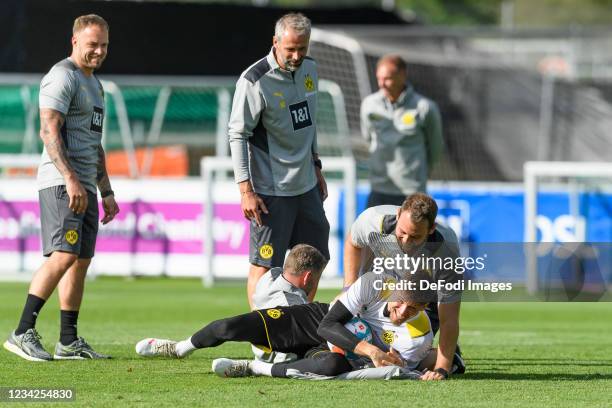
point(401, 333)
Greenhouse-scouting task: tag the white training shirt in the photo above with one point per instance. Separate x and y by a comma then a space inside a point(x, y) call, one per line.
point(412, 339)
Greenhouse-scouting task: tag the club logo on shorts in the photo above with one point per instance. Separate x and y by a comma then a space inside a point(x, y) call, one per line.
point(72, 236)
point(308, 83)
point(388, 336)
point(266, 251)
point(274, 313)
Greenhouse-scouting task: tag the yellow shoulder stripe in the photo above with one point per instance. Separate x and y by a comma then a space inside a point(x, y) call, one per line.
point(419, 326)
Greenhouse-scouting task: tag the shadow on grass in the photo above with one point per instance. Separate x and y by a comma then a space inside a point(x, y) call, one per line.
point(537, 362)
point(534, 376)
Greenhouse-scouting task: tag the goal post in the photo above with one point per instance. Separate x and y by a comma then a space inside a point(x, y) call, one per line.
point(210, 166)
point(576, 176)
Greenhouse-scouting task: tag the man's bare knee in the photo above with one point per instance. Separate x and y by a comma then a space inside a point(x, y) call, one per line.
point(60, 262)
point(257, 271)
point(82, 264)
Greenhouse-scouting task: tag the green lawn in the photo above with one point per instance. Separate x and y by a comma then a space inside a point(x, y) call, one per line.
point(518, 354)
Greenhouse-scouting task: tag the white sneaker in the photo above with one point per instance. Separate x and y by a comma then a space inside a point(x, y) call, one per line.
point(157, 347)
point(225, 367)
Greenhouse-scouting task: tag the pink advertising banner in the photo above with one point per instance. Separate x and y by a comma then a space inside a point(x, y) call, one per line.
point(140, 227)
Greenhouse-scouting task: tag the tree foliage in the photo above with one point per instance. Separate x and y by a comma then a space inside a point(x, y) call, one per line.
point(527, 13)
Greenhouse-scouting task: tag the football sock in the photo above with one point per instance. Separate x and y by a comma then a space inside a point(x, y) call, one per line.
point(323, 363)
point(185, 347)
point(248, 327)
point(261, 368)
point(30, 313)
point(68, 328)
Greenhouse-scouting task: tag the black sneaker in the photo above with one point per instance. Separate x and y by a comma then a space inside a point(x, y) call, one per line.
point(458, 366)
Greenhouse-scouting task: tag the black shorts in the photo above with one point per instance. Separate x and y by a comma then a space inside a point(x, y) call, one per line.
point(293, 329)
point(291, 221)
point(64, 230)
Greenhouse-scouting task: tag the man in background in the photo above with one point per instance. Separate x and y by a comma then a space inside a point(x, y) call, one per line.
point(405, 133)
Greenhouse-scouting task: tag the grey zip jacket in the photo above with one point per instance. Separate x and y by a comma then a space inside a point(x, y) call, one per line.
point(272, 132)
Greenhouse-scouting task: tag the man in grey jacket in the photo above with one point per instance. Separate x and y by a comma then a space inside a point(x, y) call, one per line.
point(273, 142)
point(405, 134)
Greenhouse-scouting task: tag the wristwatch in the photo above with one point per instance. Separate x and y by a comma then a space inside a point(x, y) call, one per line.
point(317, 163)
point(442, 372)
point(106, 193)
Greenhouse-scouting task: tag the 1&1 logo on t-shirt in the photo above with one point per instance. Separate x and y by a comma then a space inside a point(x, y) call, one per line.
point(300, 115)
point(96, 119)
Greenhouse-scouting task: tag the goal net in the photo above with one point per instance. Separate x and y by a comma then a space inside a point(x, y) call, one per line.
point(148, 111)
point(568, 226)
point(143, 113)
point(222, 195)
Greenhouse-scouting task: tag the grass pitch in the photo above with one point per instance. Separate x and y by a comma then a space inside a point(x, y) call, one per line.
point(518, 354)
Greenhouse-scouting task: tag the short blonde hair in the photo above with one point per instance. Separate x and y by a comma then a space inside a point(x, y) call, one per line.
point(82, 22)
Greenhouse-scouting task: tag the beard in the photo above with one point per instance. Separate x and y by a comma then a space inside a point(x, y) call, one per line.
point(292, 65)
point(94, 62)
point(411, 249)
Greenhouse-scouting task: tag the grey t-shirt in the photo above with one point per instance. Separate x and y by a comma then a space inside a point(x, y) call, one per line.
point(274, 290)
point(374, 232)
point(80, 99)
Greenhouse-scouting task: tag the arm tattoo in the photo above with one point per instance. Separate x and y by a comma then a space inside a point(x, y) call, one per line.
point(51, 122)
point(102, 175)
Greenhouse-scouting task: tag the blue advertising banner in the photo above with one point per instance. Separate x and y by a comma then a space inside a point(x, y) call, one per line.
point(482, 213)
